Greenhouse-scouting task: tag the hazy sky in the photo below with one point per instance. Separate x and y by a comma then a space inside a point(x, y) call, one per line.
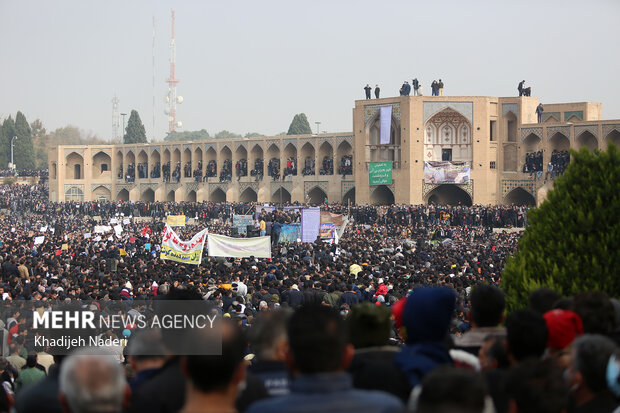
point(249, 66)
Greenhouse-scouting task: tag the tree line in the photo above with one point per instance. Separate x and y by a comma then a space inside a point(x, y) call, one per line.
point(33, 141)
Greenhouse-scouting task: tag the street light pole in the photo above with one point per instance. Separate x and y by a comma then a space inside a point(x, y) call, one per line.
point(124, 131)
point(12, 143)
point(317, 127)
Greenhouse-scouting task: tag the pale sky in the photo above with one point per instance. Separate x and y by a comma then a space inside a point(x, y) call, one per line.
point(250, 65)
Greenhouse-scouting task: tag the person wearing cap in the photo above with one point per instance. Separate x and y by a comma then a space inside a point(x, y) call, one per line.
point(563, 328)
point(426, 318)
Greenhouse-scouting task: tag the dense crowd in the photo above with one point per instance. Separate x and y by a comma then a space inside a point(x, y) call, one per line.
point(403, 311)
point(23, 173)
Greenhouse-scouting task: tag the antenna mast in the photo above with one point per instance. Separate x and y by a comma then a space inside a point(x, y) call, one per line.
point(153, 130)
point(116, 120)
point(172, 99)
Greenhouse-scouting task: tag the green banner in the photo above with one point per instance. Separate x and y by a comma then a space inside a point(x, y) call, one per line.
point(380, 173)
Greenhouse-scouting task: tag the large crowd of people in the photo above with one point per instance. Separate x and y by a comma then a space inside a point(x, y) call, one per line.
point(403, 313)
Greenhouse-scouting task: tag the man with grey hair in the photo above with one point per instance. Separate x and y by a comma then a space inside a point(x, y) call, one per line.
point(586, 375)
point(92, 381)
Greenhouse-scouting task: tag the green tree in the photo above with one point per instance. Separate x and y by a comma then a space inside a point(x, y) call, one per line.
point(7, 132)
point(24, 149)
point(226, 135)
point(185, 136)
point(571, 244)
point(39, 140)
point(135, 132)
point(299, 125)
point(253, 135)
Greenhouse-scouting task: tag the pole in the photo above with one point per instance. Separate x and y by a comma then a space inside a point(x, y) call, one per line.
point(12, 143)
point(124, 131)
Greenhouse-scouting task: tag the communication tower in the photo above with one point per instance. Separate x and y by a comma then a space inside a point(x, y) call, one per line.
point(172, 99)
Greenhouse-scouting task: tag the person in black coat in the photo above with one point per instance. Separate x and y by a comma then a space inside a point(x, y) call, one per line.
point(367, 89)
point(295, 297)
point(377, 91)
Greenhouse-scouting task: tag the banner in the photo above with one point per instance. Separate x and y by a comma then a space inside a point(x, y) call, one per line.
point(241, 222)
point(446, 172)
point(328, 217)
point(263, 208)
point(290, 233)
point(39, 240)
point(385, 124)
point(176, 220)
point(187, 252)
point(310, 224)
point(327, 231)
point(223, 246)
point(380, 173)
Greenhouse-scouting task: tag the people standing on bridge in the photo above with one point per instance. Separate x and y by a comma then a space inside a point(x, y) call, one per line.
point(416, 87)
point(434, 88)
point(539, 111)
point(377, 91)
point(367, 89)
point(521, 87)
point(440, 88)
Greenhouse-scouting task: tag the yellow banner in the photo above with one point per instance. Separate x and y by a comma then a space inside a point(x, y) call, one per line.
point(191, 257)
point(176, 220)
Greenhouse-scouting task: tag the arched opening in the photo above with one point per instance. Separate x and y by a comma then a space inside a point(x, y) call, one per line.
point(170, 197)
point(387, 151)
point(326, 159)
point(187, 163)
point(197, 165)
point(143, 165)
point(273, 162)
point(74, 194)
point(531, 142)
point(447, 137)
point(155, 165)
point(227, 166)
point(218, 196)
point(519, 196)
point(511, 127)
point(130, 173)
point(53, 171)
point(248, 196)
point(258, 163)
point(118, 158)
point(316, 196)
point(510, 158)
point(166, 165)
point(211, 159)
point(344, 157)
point(123, 195)
point(148, 196)
point(382, 195)
point(290, 160)
point(308, 155)
point(102, 194)
point(281, 196)
point(101, 165)
point(191, 196)
point(588, 140)
point(241, 161)
point(614, 137)
point(74, 166)
point(449, 195)
point(349, 197)
point(559, 142)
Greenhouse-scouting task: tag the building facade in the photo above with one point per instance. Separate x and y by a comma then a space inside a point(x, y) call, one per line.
point(493, 135)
